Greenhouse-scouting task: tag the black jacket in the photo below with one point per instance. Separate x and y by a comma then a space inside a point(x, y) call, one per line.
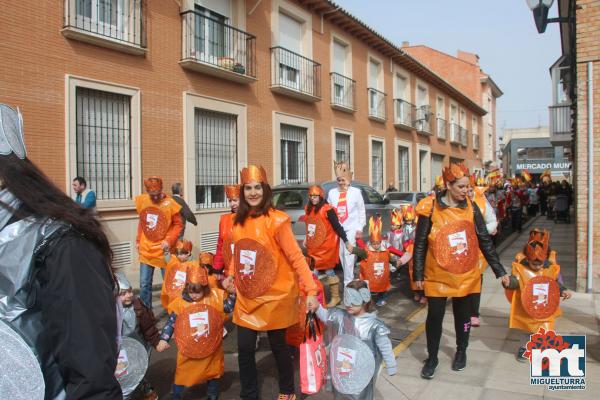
point(185, 212)
point(76, 297)
point(485, 242)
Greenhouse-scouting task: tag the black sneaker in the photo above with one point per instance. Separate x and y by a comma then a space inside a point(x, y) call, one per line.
point(428, 370)
point(460, 360)
point(519, 355)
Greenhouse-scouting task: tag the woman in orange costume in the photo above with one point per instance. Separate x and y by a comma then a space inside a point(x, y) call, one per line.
point(322, 231)
point(224, 243)
point(264, 265)
point(537, 262)
point(196, 319)
point(450, 232)
point(158, 229)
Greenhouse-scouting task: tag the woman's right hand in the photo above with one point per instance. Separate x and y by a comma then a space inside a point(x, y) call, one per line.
point(419, 285)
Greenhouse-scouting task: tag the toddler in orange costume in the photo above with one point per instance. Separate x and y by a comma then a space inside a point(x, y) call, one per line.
point(176, 271)
point(535, 288)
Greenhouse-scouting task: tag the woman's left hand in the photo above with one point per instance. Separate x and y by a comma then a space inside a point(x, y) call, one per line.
point(312, 304)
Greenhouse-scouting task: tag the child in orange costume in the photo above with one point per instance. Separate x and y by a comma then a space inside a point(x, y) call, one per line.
point(409, 225)
point(225, 248)
point(176, 271)
point(535, 280)
point(206, 262)
point(198, 332)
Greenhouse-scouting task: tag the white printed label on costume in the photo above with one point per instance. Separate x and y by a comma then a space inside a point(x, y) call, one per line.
point(540, 293)
point(248, 260)
point(318, 355)
point(378, 268)
point(122, 364)
point(179, 279)
point(311, 229)
point(458, 241)
point(346, 357)
point(199, 321)
point(151, 220)
point(341, 210)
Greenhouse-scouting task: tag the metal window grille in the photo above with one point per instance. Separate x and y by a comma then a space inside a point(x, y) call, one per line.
point(294, 164)
point(377, 164)
point(216, 157)
point(342, 147)
point(403, 169)
point(103, 142)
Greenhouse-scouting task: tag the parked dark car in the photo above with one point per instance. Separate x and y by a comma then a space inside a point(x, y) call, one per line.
point(292, 198)
point(403, 198)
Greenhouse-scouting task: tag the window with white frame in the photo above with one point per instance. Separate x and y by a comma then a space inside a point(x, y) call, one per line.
point(475, 131)
point(216, 156)
point(374, 73)
point(105, 17)
point(209, 30)
point(401, 87)
point(440, 108)
point(377, 164)
point(463, 119)
point(403, 169)
point(290, 38)
point(339, 57)
point(376, 97)
point(342, 84)
point(103, 142)
point(294, 164)
point(342, 147)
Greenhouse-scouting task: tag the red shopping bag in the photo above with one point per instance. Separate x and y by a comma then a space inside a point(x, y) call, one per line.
point(313, 358)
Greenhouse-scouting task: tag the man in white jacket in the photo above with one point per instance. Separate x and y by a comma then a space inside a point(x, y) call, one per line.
point(350, 207)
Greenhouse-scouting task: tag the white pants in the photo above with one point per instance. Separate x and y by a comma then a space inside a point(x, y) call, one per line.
point(348, 259)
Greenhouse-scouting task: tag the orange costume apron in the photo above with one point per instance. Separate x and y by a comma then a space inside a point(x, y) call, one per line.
point(452, 252)
point(322, 243)
point(156, 226)
point(225, 233)
point(265, 280)
point(192, 371)
point(410, 249)
point(481, 202)
point(375, 269)
point(294, 335)
point(546, 296)
point(174, 282)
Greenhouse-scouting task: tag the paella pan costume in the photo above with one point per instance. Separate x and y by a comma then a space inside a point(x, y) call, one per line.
point(46, 326)
point(534, 293)
point(446, 252)
point(357, 344)
point(198, 329)
point(225, 249)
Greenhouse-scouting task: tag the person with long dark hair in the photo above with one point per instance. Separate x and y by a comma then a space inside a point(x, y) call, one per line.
point(267, 263)
point(55, 252)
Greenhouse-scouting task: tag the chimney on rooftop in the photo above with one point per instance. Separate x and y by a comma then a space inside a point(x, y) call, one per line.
point(405, 44)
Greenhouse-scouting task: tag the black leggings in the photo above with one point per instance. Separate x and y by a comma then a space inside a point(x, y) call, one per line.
point(476, 297)
point(436, 308)
point(247, 362)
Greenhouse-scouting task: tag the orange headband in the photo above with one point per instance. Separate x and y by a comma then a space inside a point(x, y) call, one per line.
point(184, 245)
point(454, 172)
point(232, 191)
point(254, 173)
point(153, 183)
point(316, 190)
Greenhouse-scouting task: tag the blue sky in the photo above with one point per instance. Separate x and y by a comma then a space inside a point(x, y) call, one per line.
point(501, 32)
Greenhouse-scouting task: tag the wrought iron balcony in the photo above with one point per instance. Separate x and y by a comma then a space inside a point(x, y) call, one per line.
point(560, 123)
point(463, 136)
point(455, 133)
point(295, 75)
point(115, 24)
point(422, 119)
point(343, 93)
point(214, 48)
point(441, 128)
point(376, 104)
point(404, 113)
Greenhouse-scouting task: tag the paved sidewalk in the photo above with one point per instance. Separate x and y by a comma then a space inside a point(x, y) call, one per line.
point(492, 371)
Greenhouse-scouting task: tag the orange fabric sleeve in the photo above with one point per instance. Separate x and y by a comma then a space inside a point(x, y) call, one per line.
point(287, 242)
point(174, 229)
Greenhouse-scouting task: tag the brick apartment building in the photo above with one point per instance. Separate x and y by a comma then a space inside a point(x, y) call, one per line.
point(193, 90)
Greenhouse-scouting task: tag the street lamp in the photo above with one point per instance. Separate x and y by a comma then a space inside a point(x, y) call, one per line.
point(540, 10)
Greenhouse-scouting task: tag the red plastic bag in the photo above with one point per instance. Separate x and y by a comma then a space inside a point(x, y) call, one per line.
point(313, 358)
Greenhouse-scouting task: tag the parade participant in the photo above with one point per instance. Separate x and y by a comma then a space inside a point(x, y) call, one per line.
point(187, 214)
point(350, 207)
point(138, 323)
point(450, 232)
point(535, 280)
point(265, 265)
point(322, 231)
point(409, 226)
point(375, 258)
point(214, 276)
point(176, 271)
point(394, 236)
point(359, 321)
point(438, 186)
point(57, 254)
point(224, 250)
point(196, 319)
point(476, 194)
point(158, 229)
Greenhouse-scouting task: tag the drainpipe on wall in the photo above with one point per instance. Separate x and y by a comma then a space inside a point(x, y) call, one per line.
point(590, 144)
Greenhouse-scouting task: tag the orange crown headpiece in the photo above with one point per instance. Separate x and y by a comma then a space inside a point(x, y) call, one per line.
point(253, 173)
point(197, 276)
point(409, 213)
point(316, 190)
point(454, 172)
point(342, 170)
point(232, 191)
point(153, 183)
point(375, 229)
point(206, 258)
point(473, 180)
point(396, 217)
point(537, 245)
point(184, 245)
point(439, 182)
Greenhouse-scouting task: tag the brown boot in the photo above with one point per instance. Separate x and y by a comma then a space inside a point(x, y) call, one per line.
point(334, 291)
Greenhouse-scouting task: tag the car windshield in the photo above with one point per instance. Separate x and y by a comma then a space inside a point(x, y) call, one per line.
point(400, 196)
point(288, 199)
point(371, 196)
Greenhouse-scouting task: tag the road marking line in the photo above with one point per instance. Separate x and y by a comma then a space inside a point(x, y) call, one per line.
point(403, 345)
